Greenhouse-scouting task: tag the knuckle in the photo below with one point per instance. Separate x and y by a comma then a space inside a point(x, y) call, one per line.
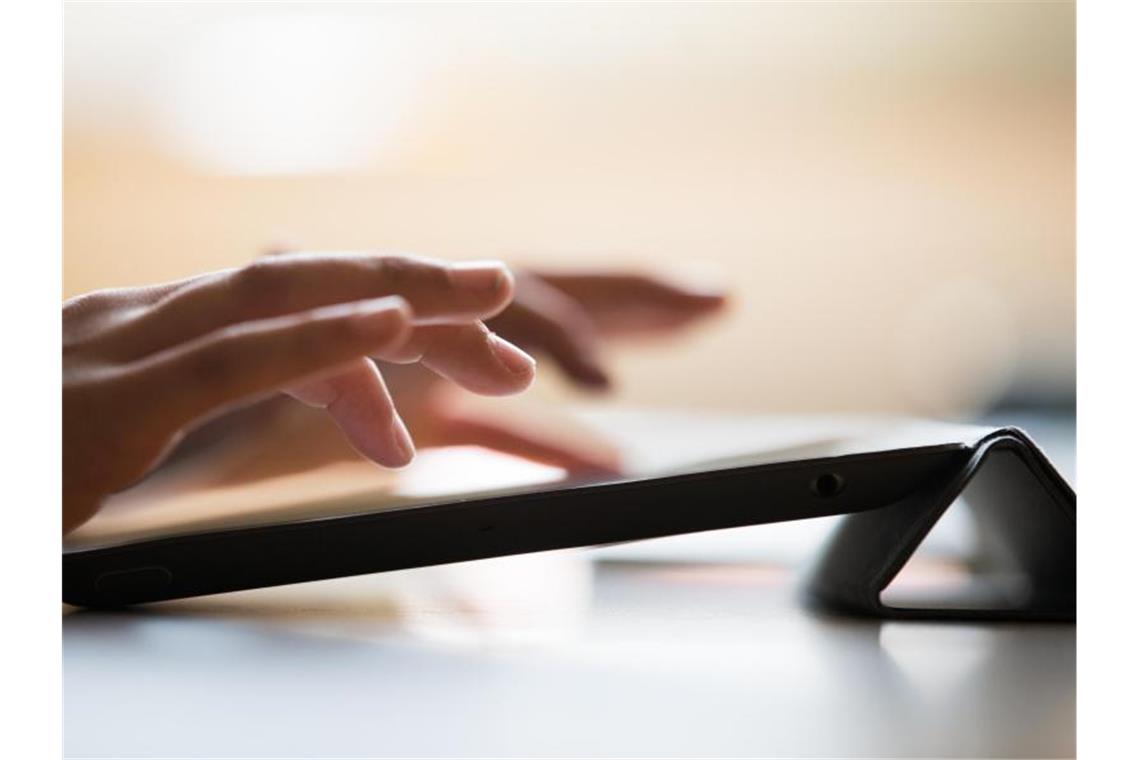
point(97, 301)
point(88, 316)
point(261, 284)
point(402, 273)
point(395, 271)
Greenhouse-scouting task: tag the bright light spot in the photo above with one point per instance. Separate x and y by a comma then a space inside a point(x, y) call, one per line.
point(289, 92)
point(470, 470)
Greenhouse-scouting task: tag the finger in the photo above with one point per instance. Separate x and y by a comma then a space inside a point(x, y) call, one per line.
point(577, 458)
point(286, 284)
point(239, 362)
point(545, 320)
point(471, 356)
point(633, 303)
point(359, 402)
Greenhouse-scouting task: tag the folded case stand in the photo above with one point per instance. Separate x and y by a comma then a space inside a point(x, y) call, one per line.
point(1025, 569)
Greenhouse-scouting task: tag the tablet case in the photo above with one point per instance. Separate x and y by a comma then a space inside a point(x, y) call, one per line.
point(1026, 514)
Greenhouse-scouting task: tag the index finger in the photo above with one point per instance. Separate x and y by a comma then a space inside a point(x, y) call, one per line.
point(437, 291)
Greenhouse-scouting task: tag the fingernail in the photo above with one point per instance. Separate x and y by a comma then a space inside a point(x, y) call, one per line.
point(710, 298)
point(517, 361)
point(402, 440)
point(380, 316)
point(487, 276)
point(698, 280)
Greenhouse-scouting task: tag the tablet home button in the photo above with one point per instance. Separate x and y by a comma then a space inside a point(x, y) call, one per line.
point(139, 580)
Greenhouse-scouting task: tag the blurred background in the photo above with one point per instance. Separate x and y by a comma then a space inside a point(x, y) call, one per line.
point(888, 188)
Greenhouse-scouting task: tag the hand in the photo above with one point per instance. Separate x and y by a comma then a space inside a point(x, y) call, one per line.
point(141, 366)
point(567, 317)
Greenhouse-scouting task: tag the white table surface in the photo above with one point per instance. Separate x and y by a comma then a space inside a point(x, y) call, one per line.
point(689, 651)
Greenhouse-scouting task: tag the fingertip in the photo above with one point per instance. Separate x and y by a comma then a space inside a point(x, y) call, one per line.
point(392, 449)
point(695, 302)
point(388, 319)
point(503, 292)
point(519, 365)
point(591, 377)
point(491, 281)
point(696, 284)
point(401, 306)
point(709, 301)
point(506, 285)
point(403, 449)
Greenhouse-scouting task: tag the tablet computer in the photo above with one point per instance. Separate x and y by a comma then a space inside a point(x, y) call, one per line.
point(222, 540)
